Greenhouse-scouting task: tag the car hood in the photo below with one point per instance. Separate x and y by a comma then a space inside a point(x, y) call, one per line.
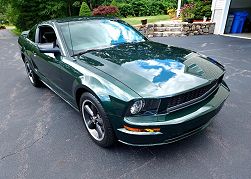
point(153, 70)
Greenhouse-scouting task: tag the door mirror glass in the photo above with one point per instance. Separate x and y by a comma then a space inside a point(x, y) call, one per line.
point(48, 48)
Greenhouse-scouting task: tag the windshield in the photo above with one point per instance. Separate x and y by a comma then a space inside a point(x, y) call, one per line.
point(94, 34)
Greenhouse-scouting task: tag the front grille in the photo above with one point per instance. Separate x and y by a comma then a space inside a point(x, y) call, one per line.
point(170, 104)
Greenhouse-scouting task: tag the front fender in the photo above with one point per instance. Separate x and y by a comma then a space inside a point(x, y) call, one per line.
point(113, 98)
point(112, 94)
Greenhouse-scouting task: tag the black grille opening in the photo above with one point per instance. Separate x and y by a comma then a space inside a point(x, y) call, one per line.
point(182, 99)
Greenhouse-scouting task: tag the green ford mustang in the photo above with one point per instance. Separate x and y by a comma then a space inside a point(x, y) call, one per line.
point(126, 87)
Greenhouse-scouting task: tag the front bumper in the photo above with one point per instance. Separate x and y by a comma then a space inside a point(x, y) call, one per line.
point(174, 126)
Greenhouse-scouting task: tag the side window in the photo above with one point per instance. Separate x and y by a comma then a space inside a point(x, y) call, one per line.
point(47, 35)
point(32, 34)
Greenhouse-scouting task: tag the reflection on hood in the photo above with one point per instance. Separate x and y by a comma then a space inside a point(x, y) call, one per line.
point(156, 70)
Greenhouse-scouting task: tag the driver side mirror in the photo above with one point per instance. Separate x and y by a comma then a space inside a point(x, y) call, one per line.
point(48, 48)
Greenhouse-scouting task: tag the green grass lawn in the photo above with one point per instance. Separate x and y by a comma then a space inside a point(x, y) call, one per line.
point(150, 19)
point(15, 31)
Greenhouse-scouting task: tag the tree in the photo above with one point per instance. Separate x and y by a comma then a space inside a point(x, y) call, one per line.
point(3, 10)
point(84, 10)
point(25, 13)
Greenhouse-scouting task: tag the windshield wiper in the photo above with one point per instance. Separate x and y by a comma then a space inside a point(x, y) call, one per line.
point(85, 51)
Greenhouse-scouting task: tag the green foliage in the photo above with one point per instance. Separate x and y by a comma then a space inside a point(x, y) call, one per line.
point(95, 3)
point(76, 4)
point(202, 8)
point(3, 18)
point(106, 3)
point(11, 14)
point(187, 11)
point(25, 13)
point(170, 4)
point(53, 9)
point(114, 3)
point(196, 9)
point(84, 10)
point(3, 5)
point(3, 9)
point(144, 8)
point(140, 8)
point(156, 8)
point(125, 9)
point(16, 32)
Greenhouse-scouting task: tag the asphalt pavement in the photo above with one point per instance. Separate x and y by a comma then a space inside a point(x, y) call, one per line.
point(43, 137)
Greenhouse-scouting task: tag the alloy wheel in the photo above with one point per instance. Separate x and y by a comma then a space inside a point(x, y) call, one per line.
point(93, 120)
point(29, 72)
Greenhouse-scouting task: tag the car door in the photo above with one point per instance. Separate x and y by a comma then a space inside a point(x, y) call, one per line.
point(47, 64)
point(53, 68)
point(30, 46)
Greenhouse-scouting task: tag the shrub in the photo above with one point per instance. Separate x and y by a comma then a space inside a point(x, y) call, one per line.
point(125, 10)
point(202, 8)
point(147, 7)
point(156, 8)
point(187, 11)
point(171, 13)
point(140, 8)
point(105, 11)
point(106, 3)
point(114, 3)
point(84, 10)
point(170, 4)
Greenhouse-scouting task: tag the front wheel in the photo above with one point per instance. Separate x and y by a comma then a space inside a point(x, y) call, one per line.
point(34, 79)
point(96, 121)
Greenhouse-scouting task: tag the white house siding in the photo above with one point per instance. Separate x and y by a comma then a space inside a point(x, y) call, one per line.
point(219, 14)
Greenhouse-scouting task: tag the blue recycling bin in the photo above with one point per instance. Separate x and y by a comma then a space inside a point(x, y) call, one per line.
point(239, 20)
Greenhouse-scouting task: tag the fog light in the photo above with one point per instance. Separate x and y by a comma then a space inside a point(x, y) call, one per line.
point(142, 130)
point(137, 106)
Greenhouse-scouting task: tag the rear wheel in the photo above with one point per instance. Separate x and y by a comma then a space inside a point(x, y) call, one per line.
point(96, 121)
point(34, 79)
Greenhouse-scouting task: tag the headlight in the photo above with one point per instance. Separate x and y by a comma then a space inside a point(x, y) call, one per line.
point(137, 106)
point(144, 107)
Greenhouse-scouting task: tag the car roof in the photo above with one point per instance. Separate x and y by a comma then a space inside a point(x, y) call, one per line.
point(79, 18)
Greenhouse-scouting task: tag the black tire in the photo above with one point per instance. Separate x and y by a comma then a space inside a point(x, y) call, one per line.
point(107, 139)
point(34, 79)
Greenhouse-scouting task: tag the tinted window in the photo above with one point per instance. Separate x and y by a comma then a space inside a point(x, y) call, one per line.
point(46, 35)
point(32, 34)
point(83, 35)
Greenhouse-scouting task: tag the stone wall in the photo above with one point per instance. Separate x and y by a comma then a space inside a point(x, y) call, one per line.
point(177, 29)
point(198, 28)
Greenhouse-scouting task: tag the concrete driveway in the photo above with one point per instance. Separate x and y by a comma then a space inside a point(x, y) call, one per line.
point(43, 137)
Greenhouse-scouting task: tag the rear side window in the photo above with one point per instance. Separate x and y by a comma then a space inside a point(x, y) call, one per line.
point(32, 34)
